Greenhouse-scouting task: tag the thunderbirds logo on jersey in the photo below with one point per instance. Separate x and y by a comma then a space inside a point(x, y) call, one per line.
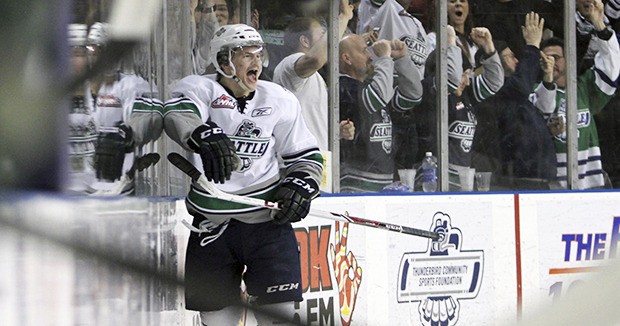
point(417, 47)
point(248, 143)
point(382, 132)
point(583, 119)
point(224, 102)
point(441, 276)
point(464, 130)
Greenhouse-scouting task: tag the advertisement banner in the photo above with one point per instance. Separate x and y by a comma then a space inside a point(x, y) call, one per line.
point(565, 239)
point(356, 275)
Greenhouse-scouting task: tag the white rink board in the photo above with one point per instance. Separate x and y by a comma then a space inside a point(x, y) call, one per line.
point(552, 225)
point(482, 229)
point(472, 276)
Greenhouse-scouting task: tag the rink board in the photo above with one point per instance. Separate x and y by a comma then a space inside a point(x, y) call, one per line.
point(503, 257)
point(400, 279)
point(566, 240)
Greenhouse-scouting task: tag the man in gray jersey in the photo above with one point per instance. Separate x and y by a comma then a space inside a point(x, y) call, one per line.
point(238, 126)
point(368, 96)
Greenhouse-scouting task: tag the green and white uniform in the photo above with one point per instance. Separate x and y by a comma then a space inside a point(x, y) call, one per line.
point(595, 88)
point(263, 126)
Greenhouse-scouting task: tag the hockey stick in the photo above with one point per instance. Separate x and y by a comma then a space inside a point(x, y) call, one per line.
point(126, 180)
point(188, 168)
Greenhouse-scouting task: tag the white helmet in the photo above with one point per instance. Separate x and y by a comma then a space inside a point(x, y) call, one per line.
point(76, 34)
point(226, 39)
point(98, 34)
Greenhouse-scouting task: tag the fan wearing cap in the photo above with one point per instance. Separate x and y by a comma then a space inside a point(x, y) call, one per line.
point(512, 139)
point(238, 126)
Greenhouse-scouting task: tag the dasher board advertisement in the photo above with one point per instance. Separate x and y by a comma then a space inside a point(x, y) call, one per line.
point(356, 275)
point(565, 240)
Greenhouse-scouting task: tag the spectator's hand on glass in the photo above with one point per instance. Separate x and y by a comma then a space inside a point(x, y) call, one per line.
point(533, 29)
point(347, 129)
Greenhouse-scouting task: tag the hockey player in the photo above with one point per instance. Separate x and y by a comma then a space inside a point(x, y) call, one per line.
point(82, 126)
point(367, 97)
point(237, 126)
point(128, 115)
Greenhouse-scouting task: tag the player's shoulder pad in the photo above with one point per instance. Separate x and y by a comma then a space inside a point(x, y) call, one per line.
point(198, 83)
point(274, 90)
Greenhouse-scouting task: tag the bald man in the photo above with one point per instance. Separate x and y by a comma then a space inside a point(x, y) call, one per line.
point(368, 97)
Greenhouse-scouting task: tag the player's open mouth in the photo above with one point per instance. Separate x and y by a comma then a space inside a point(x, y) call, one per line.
point(458, 13)
point(253, 74)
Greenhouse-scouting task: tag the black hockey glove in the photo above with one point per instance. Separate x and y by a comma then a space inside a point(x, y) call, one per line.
point(216, 150)
point(110, 152)
point(294, 196)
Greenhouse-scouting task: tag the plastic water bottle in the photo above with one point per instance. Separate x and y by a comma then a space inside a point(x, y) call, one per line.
point(429, 173)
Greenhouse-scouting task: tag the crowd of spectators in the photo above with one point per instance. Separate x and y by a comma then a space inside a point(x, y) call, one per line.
point(506, 79)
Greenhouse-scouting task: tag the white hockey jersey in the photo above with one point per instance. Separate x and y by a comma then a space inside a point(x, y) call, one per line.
point(269, 124)
point(81, 143)
point(115, 104)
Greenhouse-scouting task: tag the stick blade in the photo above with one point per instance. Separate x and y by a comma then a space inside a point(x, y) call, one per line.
point(184, 165)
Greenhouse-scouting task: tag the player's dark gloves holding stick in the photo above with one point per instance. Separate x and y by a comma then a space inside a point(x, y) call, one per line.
point(216, 150)
point(294, 196)
point(110, 152)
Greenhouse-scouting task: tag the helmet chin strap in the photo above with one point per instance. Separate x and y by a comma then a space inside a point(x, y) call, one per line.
point(233, 74)
point(241, 83)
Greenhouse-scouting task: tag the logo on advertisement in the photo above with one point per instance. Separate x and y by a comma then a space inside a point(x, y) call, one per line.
point(321, 261)
point(441, 276)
